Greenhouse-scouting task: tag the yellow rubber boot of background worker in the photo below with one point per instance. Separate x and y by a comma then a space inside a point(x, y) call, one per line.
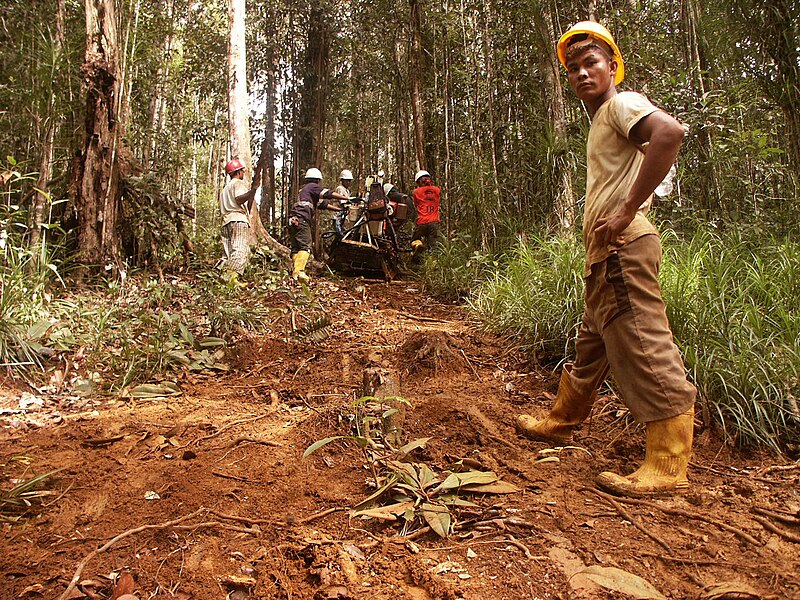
point(417, 245)
point(669, 445)
point(232, 280)
point(300, 261)
point(569, 410)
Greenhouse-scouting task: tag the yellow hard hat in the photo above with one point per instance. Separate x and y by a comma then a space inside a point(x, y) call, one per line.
point(595, 30)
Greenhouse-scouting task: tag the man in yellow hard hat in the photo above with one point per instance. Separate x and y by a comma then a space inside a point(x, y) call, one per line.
point(632, 145)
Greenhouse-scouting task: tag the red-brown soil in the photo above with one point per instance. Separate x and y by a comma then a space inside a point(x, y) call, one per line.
point(231, 446)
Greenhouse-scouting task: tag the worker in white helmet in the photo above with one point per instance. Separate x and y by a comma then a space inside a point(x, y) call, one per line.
point(312, 197)
point(624, 326)
point(345, 181)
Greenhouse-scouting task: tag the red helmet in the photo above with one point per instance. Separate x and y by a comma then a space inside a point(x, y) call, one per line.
point(233, 166)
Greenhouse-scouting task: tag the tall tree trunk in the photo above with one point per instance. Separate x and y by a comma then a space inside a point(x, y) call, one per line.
point(312, 108)
point(238, 120)
point(266, 162)
point(564, 166)
point(158, 103)
point(709, 195)
point(97, 175)
point(314, 92)
point(415, 77)
point(41, 199)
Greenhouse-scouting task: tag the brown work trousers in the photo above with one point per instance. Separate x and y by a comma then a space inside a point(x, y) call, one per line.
point(625, 327)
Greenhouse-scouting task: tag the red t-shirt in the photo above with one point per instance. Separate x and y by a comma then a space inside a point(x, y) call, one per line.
point(426, 199)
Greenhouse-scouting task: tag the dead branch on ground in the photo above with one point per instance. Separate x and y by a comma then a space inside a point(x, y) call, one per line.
point(782, 517)
point(626, 515)
point(251, 440)
point(82, 565)
point(679, 512)
point(769, 525)
point(229, 426)
point(303, 521)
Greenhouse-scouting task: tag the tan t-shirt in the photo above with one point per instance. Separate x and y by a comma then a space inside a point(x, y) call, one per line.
point(613, 163)
point(231, 210)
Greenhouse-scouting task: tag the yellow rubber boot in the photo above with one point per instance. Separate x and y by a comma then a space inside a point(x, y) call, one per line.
point(569, 410)
point(669, 445)
point(300, 261)
point(232, 280)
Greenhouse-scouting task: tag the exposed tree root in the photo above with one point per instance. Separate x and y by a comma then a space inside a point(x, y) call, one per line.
point(627, 516)
point(431, 350)
point(678, 512)
point(767, 524)
point(109, 544)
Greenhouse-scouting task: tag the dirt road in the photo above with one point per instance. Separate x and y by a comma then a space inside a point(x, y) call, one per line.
point(214, 500)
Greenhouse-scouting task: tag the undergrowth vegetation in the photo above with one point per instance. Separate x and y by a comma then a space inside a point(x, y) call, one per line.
point(118, 333)
point(26, 277)
point(732, 300)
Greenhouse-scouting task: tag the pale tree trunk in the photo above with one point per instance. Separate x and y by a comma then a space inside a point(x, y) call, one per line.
point(97, 175)
point(415, 76)
point(158, 104)
point(238, 122)
point(709, 195)
point(41, 198)
point(447, 119)
point(126, 80)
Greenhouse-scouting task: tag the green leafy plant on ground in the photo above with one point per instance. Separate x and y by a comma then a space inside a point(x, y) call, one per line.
point(17, 501)
point(455, 269)
point(732, 300)
point(413, 492)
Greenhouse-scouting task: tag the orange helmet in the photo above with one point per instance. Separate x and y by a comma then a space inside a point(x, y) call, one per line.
point(233, 166)
point(597, 31)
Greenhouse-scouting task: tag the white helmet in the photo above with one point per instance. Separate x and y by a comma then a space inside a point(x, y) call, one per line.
point(313, 173)
point(387, 187)
point(345, 174)
point(421, 174)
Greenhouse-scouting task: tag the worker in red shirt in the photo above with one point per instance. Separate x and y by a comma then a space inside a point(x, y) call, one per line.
point(426, 201)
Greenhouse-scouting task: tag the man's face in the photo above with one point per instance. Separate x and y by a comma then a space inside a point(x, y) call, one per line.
point(590, 74)
point(346, 183)
point(424, 181)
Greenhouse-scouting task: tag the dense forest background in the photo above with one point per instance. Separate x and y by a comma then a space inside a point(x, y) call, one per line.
point(471, 91)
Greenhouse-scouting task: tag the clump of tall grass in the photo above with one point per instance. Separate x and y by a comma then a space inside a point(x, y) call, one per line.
point(732, 302)
point(536, 294)
point(733, 305)
point(455, 268)
point(25, 276)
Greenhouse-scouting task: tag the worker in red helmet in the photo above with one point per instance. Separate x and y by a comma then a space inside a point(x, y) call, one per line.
point(631, 147)
point(234, 205)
